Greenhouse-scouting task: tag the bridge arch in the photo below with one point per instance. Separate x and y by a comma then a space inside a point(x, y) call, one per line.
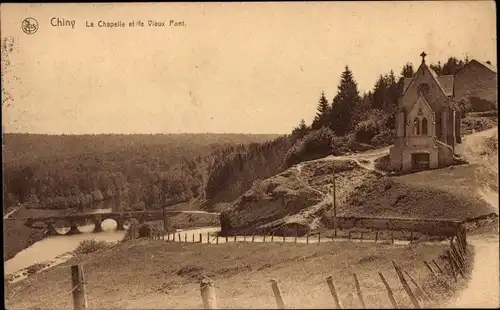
point(62, 227)
point(86, 225)
point(109, 224)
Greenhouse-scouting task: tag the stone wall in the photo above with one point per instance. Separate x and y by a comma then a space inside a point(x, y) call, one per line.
point(428, 227)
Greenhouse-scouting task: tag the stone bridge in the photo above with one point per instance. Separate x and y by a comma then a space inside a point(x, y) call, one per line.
point(122, 219)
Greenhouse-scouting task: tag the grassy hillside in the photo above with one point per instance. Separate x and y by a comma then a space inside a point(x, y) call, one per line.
point(166, 275)
point(450, 193)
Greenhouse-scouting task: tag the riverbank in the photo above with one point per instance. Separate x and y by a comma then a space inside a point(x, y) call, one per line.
point(155, 269)
point(18, 237)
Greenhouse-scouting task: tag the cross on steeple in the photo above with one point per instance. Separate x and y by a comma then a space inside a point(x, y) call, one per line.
point(423, 56)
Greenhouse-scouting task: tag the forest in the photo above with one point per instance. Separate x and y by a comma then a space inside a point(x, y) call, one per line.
point(73, 171)
point(147, 171)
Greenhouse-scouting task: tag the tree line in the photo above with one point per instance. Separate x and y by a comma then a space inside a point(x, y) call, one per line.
point(140, 171)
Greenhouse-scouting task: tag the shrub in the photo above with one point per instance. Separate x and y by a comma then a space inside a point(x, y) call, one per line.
point(385, 138)
point(470, 124)
point(132, 232)
point(146, 230)
point(35, 268)
point(92, 245)
point(314, 145)
point(372, 123)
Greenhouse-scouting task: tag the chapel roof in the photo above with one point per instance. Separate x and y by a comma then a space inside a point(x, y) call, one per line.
point(446, 82)
point(485, 64)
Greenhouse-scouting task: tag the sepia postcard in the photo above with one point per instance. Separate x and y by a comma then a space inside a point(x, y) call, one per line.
point(250, 155)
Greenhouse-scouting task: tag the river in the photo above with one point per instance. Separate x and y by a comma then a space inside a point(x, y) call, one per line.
point(56, 249)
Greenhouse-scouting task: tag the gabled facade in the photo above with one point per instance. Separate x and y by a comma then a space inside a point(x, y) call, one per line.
point(477, 82)
point(425, 122)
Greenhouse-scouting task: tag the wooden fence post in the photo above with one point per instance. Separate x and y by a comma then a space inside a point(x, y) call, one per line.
point(253, 238)
point(452, 266)
point(389, 291)
point(376, 236)
point(163, 235)
point(349, 237)
point(217, 239)
point(244, 237)
point(208, 238)
point(359, 292)
point(272, 236)
point(458, 265)
point(234, 238)
point(185, 237)
point(277, 294)
point(78, 288)
point(461, 248)
point(420, 290)
point(411, 237)
point(333, 291)
point(361, 237)
point(307, 238)
point(284, 236)
point(392, 236)
point(440, 279)
point(458, 255)
point(296, 235)
point(264, 240)
point(208, 293)
point(438, 267)
point(227, 239)
point(406, 287)
point(193, 237)
point(319, 238)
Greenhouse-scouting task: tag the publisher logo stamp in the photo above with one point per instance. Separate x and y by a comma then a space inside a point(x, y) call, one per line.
point(29, 25)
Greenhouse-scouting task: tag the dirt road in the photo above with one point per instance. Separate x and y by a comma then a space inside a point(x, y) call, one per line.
point(483, 288)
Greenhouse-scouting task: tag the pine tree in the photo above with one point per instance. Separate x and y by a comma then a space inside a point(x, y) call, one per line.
point(343, 106)
point(323, 113)
point(437, 68)
point(407, 71)
point(379, 93)
point(301, 130)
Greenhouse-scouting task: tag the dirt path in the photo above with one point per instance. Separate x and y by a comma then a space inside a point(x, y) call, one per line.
point(7, 216)
point(473, 145)
point(483, 288)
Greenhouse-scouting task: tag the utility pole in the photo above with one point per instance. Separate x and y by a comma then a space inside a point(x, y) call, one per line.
point(334, 199)
point(334, 203)
point(162, 186)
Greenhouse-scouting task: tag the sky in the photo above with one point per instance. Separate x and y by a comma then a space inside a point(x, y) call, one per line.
point(232, 67)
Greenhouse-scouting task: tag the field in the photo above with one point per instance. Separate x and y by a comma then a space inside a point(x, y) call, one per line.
point(156, 274)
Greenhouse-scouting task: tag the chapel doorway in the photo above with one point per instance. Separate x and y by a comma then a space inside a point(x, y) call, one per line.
point(420, 161)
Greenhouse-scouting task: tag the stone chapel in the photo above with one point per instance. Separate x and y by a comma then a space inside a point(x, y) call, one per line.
point(427, 125)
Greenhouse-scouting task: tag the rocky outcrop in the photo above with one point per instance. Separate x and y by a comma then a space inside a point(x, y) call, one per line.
point(291, 202)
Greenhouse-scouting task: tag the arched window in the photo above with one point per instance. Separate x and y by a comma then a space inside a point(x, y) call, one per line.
point(416, 127)
point(424, 126)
